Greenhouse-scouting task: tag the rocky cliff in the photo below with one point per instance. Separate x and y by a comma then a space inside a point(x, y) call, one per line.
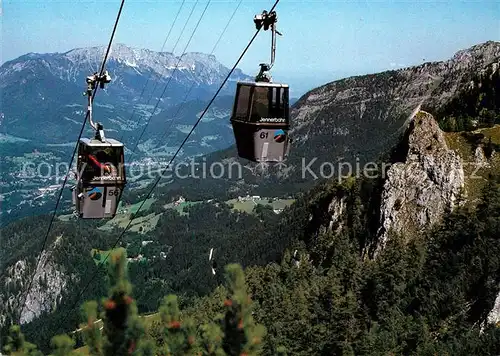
point(50, 281)
point(494, 315)
point(426, 183)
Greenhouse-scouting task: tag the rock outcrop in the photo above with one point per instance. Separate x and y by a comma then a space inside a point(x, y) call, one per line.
point(494, 315)
point(418, 191)
point(49, 283)
point(46, 291)
point(336, 210)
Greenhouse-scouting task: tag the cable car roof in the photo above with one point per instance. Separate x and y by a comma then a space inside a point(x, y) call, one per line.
point(264, 84)
point(96, 143)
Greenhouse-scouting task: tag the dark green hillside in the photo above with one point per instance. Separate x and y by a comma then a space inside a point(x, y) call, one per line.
point(429, 296)
point(426, 297)
point(185, 239)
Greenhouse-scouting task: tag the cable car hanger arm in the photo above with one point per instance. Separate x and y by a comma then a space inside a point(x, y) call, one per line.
point(267, 20)
point(92, 80)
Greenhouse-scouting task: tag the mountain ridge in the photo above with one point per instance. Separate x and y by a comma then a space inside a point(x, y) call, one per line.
point(136, 75)
point(160, 63)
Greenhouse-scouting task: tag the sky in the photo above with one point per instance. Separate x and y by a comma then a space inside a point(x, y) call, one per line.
point(322, 40)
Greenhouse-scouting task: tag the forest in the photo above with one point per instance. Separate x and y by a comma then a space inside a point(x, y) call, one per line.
point(422, 295)
point(185, 271)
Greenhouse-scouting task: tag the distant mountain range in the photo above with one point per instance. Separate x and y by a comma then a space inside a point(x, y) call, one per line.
point(42, 93)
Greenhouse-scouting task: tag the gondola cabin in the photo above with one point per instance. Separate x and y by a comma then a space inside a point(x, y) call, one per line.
point(100, 178)
point(260, 121)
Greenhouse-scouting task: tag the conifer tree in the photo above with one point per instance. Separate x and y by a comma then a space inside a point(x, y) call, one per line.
point(63, 346)
point(211, 340)
point(242, 336)
point(122, 328)
point(17, 345)
point(180, 336)
point(91, 333)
